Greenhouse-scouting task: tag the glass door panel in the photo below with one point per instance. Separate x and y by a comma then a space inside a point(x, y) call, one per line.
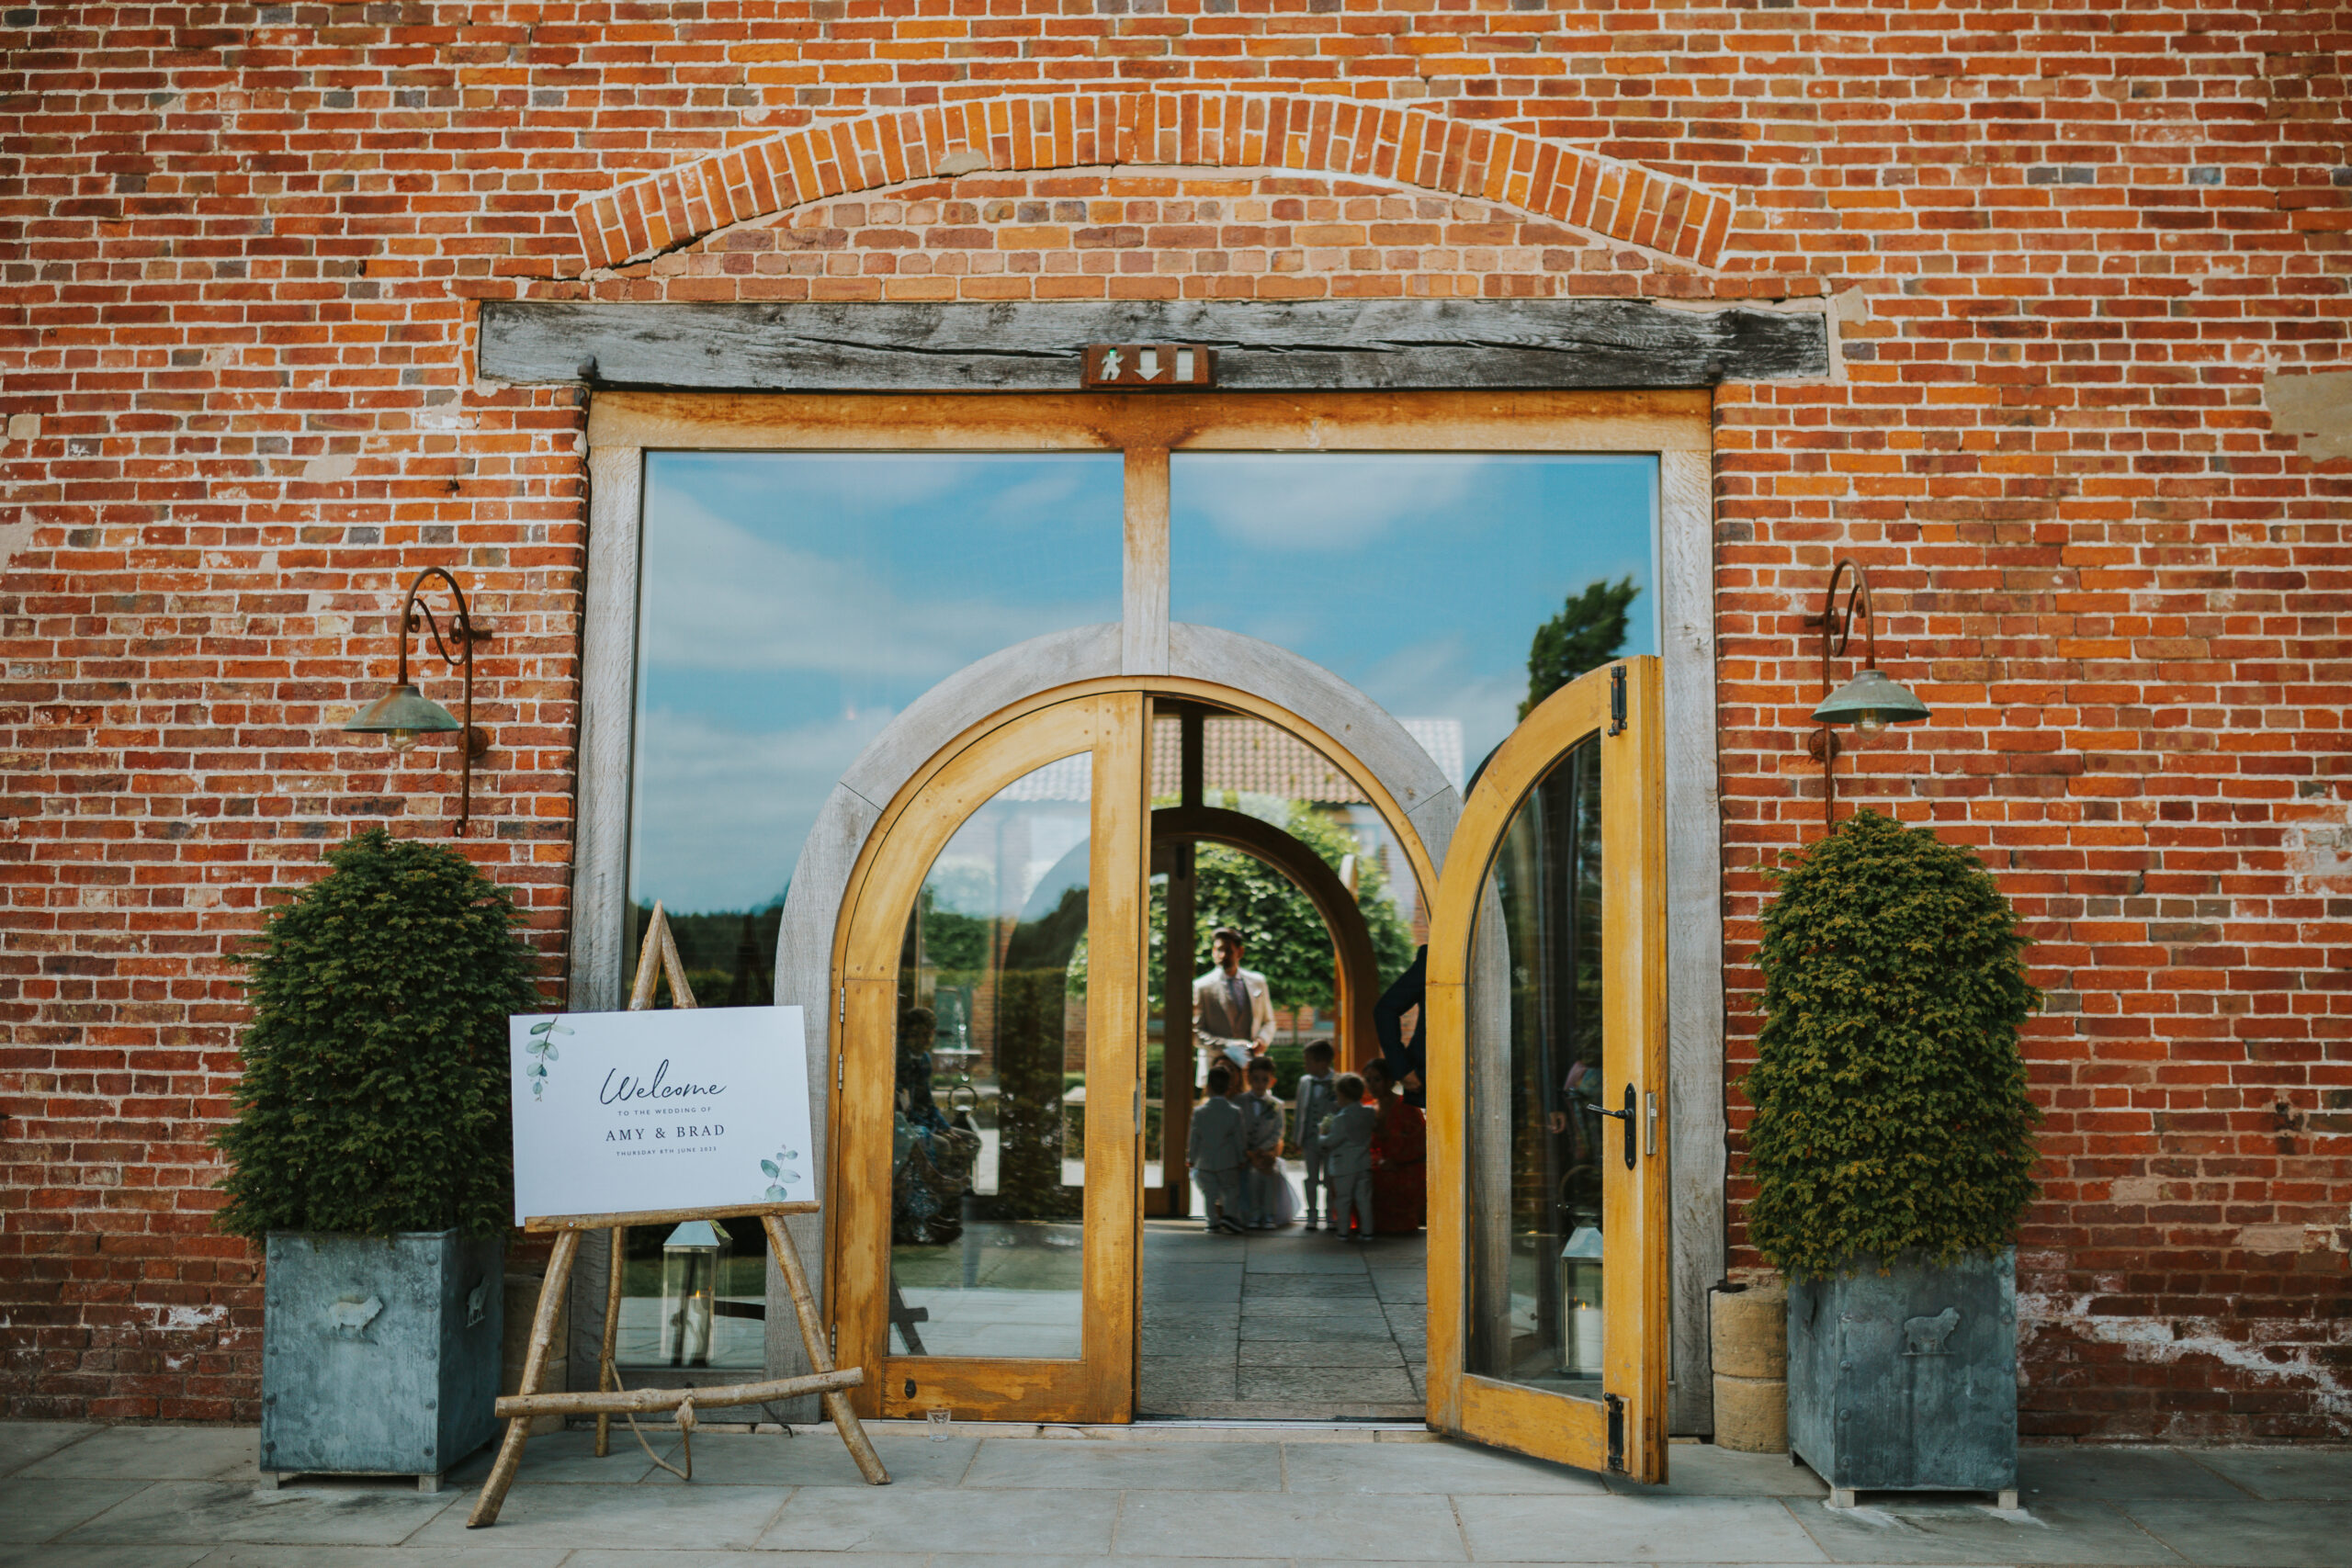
point(1548, 1314)
point(988, 1156)
point(1537, 1316)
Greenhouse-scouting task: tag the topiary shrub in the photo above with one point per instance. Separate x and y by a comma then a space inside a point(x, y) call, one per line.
point(1889, 1094)
point(374, 1091)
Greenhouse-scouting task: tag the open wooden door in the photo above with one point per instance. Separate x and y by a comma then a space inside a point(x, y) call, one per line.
point(986, 1194)
point(1547, 1055)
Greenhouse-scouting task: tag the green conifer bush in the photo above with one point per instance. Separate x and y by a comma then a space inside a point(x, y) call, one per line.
point(1889, 1093)
point(374, 1091)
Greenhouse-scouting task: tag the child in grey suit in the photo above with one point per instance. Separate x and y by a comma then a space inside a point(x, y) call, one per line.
point(1219, 1151)
point(1316, 1101)
point(1347, 1155)
point(1262, 1114)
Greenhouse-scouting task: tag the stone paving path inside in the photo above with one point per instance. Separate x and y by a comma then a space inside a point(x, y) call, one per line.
point(1282, 1324)
point(74, 1496)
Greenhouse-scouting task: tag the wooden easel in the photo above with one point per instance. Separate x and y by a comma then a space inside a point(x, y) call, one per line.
point(609, 1400)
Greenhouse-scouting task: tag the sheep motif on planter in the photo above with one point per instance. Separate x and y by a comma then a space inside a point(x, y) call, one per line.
point(1927, 1334)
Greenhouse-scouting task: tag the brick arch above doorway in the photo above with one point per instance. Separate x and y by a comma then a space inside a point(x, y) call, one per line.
point(1298, 133)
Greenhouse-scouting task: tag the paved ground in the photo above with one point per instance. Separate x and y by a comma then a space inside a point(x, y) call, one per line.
point(163, 1497)
point(1282, 1324)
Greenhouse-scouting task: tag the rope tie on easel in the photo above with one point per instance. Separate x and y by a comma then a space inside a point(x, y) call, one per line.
point(685, 1432)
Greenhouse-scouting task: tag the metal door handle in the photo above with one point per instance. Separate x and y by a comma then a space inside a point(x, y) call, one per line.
point(1625, 1116)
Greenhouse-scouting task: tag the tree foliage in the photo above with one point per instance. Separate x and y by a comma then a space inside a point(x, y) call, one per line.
point(1585, 634)
point(1288, 942)
point(376, 1080)
point(1890, 1092)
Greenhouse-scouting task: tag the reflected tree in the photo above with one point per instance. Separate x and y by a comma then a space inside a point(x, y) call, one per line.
point(1587, 633)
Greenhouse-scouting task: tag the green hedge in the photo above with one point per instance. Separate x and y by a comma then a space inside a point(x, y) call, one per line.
point(374, 1091)
point(1889, 1093)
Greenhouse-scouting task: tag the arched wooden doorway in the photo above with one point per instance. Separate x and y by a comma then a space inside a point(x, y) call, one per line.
point(1044, 1327)
point(1052, 1338)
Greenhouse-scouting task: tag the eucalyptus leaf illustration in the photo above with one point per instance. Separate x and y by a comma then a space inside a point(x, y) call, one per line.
point(783, 1170)
point(541, 1047)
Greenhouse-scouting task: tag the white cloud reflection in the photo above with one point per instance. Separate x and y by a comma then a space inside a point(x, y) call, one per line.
point(1300, 502)
point(719, 815)
point(720, 596)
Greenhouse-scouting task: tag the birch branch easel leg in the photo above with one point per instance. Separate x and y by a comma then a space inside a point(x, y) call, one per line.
point(657, 956)
point(535, 1363)
point(607, 1374)
point(821, 1355)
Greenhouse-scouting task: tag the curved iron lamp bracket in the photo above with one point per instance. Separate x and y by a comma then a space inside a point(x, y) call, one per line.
point(1836, 632)
point(465, 632)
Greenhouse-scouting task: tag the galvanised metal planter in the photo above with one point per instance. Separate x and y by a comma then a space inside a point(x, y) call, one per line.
point(378, 1356)
point(1906, 1381)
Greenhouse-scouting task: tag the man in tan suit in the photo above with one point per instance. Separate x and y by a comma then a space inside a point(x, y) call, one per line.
point(1233, 1015)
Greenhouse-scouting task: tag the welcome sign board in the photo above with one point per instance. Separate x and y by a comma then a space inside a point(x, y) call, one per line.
point(631, 1112)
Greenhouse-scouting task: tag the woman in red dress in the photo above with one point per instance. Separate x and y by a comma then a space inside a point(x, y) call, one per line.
point(1399, 1156)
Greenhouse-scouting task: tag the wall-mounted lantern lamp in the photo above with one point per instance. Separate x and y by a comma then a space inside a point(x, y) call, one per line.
point(1870, 701)
point(406, 713)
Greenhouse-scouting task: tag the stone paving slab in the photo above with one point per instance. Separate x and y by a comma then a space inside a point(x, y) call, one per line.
point(2269, 1535)
point(221, 1512)
point(2315, 1475)
point(1121, 1467)
point(819, 1459)
point(1456, 1469)
point(1932, 1530)
point(500, 1554)
point(757, 1558)
point(40, 1510)
point(1207, 1525)
point(601, 1516)
point(1019, 1523)
point(2054, 1475)
point(157, 1453)
point(1630, 1530)
point(1137, 1498)
point(147, 1556)
point(22, 1442)
point(1307, 1325)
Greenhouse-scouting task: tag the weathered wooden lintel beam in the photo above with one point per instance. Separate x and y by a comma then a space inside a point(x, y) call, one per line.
point(1310, 346)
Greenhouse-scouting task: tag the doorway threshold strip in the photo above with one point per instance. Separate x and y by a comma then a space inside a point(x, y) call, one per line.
point(1293, 132)
point(1303, 1431)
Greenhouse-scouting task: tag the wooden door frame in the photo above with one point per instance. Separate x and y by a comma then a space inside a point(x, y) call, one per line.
point(623, 426)
point(1110, 728)
point(1466, 947)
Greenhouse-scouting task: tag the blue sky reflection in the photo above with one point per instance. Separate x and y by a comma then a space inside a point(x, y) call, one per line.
point(792, 603)
point(1419, 577)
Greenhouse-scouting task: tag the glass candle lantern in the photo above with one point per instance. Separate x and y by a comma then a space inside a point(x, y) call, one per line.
point(693, 1261)
point(1580, 1303)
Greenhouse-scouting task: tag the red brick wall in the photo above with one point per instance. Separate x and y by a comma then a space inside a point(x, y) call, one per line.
point(2063, 247)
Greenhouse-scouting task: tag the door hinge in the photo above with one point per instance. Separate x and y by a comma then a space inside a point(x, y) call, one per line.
point(1649, 1106)
point(833, 1340)
point(840, 1072)
point(1616, 1432)
point(1616, 699)
point(841, 1014)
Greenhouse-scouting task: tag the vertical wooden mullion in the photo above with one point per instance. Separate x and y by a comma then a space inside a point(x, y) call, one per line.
point(1143, 642)
point(1117, 908)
